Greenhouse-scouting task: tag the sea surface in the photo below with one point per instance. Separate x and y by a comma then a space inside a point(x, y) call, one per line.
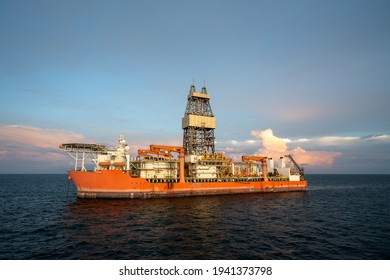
point(340, 217)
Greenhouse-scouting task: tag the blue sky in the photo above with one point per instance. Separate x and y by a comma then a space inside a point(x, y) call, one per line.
point(306, 77)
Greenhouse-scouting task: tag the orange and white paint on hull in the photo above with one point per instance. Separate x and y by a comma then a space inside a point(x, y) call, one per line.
point(119, 184)
point(157, 173)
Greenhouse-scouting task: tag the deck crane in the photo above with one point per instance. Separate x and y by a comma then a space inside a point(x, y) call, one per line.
point(301, 169)
point(263, 161)
point(169, 150)
point(144, 153)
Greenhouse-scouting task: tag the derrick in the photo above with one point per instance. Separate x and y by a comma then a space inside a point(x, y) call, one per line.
point(198, 123)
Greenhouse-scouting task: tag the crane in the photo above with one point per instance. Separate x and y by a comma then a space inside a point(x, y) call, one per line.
point(145, 153)
point(301, 170)
point(168, 150)
point(263, 161)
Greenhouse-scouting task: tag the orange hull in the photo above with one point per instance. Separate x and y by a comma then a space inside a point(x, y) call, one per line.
point(118, 184)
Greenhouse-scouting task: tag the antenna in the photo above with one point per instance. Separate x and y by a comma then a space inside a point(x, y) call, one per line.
point(204, 87)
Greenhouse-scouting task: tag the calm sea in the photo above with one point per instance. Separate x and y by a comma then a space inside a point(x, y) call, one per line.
point(340, 217)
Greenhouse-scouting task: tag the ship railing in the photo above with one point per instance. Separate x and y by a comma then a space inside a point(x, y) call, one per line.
point(213, 180)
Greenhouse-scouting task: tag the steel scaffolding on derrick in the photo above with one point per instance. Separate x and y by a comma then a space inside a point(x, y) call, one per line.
point(198, 124)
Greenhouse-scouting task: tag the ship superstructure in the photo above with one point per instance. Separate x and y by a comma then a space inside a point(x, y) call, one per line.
point(192, 169)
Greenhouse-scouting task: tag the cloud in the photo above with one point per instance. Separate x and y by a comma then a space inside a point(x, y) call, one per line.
point(30, 136)
point(25, 148)
point(314, 158)
point(336, 140)
point(343, 141)
point(380, 137)
point(275, 147)
point(270, 142)
point(327, 154)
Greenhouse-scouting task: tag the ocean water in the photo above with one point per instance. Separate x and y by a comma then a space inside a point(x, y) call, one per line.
point(340, 217)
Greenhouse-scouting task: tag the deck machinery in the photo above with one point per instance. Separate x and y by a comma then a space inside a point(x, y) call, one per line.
point(192, 169)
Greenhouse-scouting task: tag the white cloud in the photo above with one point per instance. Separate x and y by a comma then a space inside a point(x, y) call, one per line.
point(382, 137)
point(342, 140)
point(336, 140)
point(320, 154)
point(270, 142)
point(274, 146)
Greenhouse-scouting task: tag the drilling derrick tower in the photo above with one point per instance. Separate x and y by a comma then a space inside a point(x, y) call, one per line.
point(198, 124)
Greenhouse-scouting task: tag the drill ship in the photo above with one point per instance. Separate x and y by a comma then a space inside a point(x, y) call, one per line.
point(175, 171)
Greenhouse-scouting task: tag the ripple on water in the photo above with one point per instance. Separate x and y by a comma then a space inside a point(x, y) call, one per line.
point(340, 217)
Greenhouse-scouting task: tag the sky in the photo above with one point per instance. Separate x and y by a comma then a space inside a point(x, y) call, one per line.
point(308, 78)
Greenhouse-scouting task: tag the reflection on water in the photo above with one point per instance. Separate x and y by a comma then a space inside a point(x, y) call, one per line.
point(238, 226)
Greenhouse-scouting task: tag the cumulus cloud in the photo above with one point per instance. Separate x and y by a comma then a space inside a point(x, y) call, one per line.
point(345, 154)
point(270, 142)
point(274, 146)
